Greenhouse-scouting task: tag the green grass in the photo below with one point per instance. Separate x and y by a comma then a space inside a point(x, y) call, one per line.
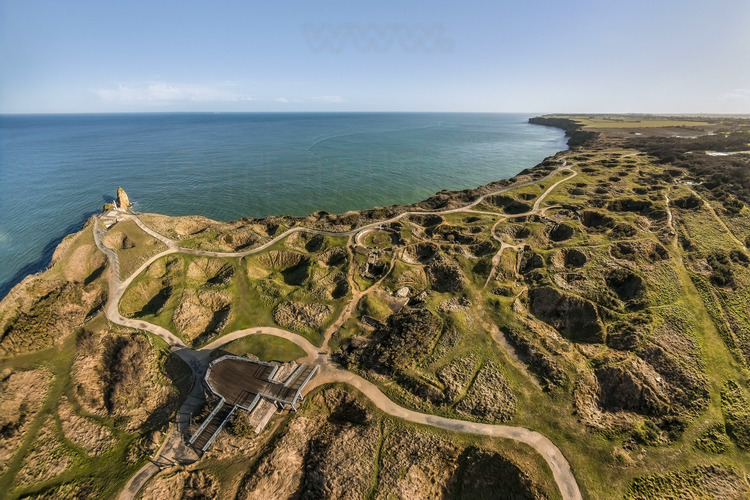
point(84, 237)
point(265, 347)
point(621, 122)
point(146, 246)
point(736, 407)
point(607, 465)
point(682, 483)
point(713, 440)
point(378, 239)
point(249, 309)
point(372, 305)
point(348, 330)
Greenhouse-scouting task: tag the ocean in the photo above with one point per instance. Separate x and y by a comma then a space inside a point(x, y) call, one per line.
point(57, 170)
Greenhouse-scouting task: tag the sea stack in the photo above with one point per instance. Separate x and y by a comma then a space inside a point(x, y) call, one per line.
point(123, 203)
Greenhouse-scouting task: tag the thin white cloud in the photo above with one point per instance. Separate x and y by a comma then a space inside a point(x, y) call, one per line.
point(330, 99)
point(161, 92)
point(737, 95)
point(283, 100)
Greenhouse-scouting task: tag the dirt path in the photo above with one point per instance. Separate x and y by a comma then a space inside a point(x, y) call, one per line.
point(534, 210)
point(174, 451)
point(158, 236)
point(552, 455)
point(496, 258)
point(541, 198)
point(313, 353)
point(670, 222)
point(719, 220)
point(357, 295)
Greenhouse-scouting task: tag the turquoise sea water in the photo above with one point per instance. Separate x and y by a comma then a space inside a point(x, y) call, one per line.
point(56, 170)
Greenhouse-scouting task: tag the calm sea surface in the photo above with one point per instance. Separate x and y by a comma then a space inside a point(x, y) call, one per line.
point(56, 170)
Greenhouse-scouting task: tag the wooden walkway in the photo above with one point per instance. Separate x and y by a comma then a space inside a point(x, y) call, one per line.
point(212, 426)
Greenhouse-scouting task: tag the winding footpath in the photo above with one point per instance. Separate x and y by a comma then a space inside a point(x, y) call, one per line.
point(174, 451)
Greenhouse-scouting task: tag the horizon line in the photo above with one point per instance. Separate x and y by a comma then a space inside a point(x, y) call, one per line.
point(577, 113)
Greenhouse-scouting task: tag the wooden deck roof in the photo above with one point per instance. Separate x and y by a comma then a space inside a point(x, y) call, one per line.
point(241, 382)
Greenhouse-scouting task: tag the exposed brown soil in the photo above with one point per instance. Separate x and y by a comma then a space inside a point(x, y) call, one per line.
point(574, 258)
point(22, 394)
point(301, 315)
point(214, 235)
point(281, 259)
point(205, 312)
point(120, 376)
point(515, 231)
point(629, 383)
point(331, 285)
point(320, 457)
point(509, 204)
point(445, 276)
point(333, 257)
point(455, 304)
point(425, 220)
point(452, 234)
point(575, 317)
point(211, 271)
point(420, 465)
point(628, 286)
point(594, 220)
point(643, 251)
point(421, 253)
point(38, 312)
point(561, 232)
point(182, 485)
point(489, 399)
point(117, 240)
point(176, 226)
point(86, 262)
point(414, 278)
point(456, 376)
point(82, 431)
point(410, 473)
point(623, 230)
point(331, 451)
point(305, 242)
point(46, 459)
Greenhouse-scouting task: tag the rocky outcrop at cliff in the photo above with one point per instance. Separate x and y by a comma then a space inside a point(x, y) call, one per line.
point(123, 203)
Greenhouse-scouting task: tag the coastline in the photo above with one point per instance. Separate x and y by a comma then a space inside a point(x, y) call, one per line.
point(441, 200)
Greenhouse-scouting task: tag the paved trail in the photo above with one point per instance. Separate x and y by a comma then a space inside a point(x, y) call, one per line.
point(560, 467)
point(174, 451)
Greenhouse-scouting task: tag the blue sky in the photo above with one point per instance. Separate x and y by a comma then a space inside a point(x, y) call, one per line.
point(504, 55)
